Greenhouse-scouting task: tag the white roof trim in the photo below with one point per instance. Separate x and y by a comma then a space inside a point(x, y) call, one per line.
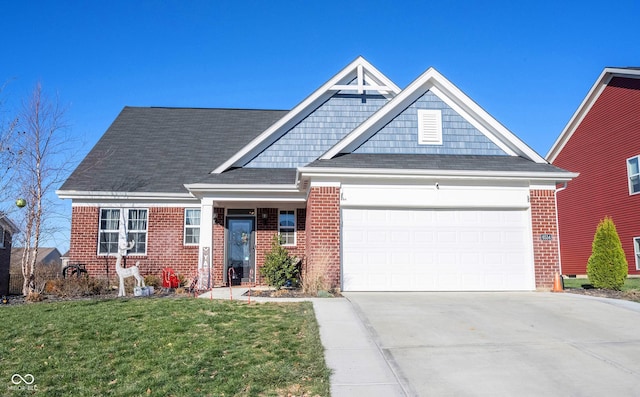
point(359, 69)
point(586, 105)
point(80, 194)
point(240, 187)
point(247, 192)
point(412, 173)
point(8, 224)
point(454, 97)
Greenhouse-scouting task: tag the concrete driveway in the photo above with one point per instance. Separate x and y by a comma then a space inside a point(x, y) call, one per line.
point(506, 344)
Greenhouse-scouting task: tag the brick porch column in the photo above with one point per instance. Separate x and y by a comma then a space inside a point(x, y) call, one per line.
point(544, 222)
point(323, 233)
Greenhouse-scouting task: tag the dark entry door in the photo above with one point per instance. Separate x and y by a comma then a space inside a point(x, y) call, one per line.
point(240, 250)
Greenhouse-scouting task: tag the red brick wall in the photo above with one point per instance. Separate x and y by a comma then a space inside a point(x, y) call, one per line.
point(545, 252)
point(218, 247)
point(323, 233)
point(165, 246)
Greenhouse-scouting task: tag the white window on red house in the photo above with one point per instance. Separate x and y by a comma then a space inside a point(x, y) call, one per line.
point(287, 227)
point(633, 171)
point(191, 226)
point(636, 247)
point(109, 231)
point(137, 230)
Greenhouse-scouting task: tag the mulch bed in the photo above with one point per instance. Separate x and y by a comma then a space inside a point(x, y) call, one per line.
point(19, 299)
point(633, 295)
point(288, 293)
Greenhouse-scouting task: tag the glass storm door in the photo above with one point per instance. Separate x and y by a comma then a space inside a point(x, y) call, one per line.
point(240, 250)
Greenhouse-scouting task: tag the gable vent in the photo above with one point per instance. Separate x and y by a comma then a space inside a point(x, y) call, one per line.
point(429, 127)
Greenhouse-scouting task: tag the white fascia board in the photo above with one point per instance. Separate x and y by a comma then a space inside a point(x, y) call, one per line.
point(302, 110)
point(359, 173)
point(247, 193)
point(208, 187)
point(108, 195)
point(586, 105)
point(104, 203)
point(8, 224)
point(454, 97)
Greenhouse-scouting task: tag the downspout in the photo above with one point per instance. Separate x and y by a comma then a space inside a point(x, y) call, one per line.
point(564, 186)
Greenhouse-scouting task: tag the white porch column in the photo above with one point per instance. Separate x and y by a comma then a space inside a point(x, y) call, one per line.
point(205, 253)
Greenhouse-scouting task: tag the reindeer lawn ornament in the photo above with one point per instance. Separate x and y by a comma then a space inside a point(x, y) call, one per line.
point(129, 271)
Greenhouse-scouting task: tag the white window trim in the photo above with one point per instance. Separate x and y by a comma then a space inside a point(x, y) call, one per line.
point(145, 231)
point(295, 225)
point(100, 230)
point(2, 237)
point(636, 251)
point(184, 234)
point(122, 230)
point(631, 192)
point(429, 127)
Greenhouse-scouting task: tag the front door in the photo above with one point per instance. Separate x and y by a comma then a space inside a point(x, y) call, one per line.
point(240, 250)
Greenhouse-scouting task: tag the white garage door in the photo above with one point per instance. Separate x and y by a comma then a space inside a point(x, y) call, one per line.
point(436, 250)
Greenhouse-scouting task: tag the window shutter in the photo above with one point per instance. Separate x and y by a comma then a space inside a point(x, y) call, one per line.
point(429, 127)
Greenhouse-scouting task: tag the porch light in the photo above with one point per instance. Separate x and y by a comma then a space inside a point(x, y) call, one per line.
point(264, 217)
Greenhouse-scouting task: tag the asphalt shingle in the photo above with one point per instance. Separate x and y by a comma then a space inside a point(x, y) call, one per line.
point(161, 149)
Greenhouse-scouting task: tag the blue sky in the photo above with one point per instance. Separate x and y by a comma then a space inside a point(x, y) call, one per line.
point(528, 63)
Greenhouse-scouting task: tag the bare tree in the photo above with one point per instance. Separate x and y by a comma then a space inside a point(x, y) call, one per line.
point(42, 127)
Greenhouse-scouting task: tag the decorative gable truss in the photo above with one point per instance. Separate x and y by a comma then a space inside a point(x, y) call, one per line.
point(359, 78)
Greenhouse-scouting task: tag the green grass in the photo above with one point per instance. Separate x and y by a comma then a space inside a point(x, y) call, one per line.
point(163, 347)
point(630, 284)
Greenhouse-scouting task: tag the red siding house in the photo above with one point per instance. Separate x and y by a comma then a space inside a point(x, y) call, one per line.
point(374, 187)
point(601, 142)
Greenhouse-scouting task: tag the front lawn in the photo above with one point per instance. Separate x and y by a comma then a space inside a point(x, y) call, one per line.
point(162, 347)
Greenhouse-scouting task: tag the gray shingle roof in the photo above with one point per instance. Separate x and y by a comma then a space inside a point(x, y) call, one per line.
point(158, 150)
point(252, 176)
point(435, 162)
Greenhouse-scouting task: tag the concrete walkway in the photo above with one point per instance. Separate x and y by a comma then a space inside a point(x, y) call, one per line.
point(358, 366)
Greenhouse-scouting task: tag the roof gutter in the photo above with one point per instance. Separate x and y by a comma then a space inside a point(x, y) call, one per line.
point(431, 173)
point(109, 195)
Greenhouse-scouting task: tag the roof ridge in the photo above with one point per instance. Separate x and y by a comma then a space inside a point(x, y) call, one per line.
point(203, 108)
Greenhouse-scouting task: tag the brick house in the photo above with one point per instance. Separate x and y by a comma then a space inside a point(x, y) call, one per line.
point(7, 230)
point(376, 187)
point(601, 143)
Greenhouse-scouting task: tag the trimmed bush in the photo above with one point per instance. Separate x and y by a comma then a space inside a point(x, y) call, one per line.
point(607, 266)
point(152, 281)
point(279, 268)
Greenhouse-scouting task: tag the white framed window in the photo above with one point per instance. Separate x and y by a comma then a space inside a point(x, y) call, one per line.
point(1, 236)
point(137, 230)
point(124, 225)
point(109, 231)
point(633, 172)
point(636, 249)
point(191, 226)
point(429, 127)
point(287, 227)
